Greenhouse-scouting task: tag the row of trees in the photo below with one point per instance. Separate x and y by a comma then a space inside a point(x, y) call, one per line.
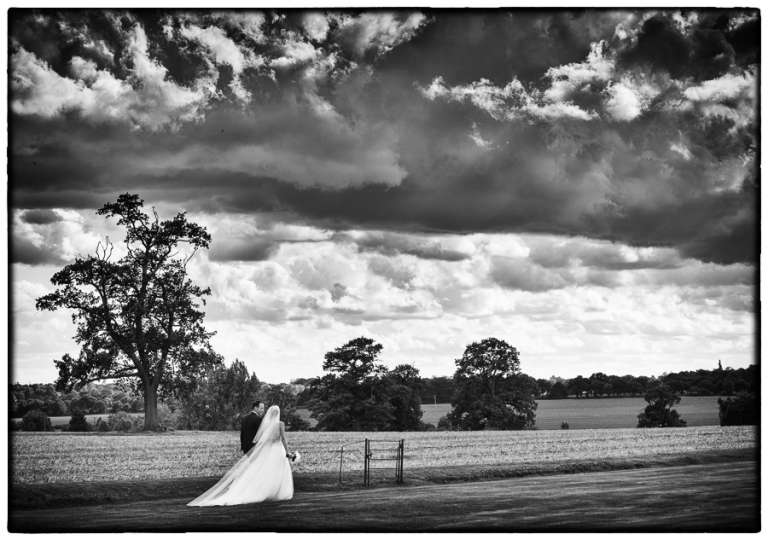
point(716, 382)
point(90, 399)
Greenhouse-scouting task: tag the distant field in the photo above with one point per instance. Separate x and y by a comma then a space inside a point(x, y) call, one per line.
point(600, 413)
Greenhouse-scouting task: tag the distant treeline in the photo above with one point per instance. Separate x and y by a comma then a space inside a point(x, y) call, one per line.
point(702, 382)
point(108, 398)
point(92, 399)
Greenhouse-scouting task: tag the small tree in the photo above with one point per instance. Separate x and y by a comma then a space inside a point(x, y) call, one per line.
point(491, 392)
point(740, 410)
point(138, 321)
point(36, 420)
point(659, 412)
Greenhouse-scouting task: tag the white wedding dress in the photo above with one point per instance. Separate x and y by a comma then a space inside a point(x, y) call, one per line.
point(263, 474)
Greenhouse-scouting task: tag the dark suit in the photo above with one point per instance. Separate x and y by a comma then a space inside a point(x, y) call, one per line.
point(249, 425)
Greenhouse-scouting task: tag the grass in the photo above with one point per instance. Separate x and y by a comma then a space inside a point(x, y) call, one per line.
point(84, 457)
point(600, 413)
point(711, 497)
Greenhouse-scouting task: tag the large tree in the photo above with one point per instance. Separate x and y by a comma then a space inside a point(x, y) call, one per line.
point(360, 394)
point(138, 319)
point(353, 395)
point(491, 392)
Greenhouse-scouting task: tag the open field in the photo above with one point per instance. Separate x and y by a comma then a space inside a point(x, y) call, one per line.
point(76, 457)
point(600, 413)
point(719, 497)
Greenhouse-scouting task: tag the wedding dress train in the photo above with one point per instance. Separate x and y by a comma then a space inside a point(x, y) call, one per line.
point(263, 474)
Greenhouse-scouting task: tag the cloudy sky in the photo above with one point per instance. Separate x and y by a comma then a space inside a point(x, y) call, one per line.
point(581, 185)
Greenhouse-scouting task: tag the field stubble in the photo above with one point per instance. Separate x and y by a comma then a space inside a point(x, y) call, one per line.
point(63, 457)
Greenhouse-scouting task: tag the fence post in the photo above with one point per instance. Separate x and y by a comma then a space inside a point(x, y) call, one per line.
point(400, 461)
point(341, 463)
point(366, 464)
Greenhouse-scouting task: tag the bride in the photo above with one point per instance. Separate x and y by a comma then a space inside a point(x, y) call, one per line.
point(263, 474)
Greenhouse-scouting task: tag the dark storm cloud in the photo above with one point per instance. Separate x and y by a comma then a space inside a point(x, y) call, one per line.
point(41, 217)
point(261, 114)
point(709, 50)
point(395, 244)
point(243, 249)
point(520, 275)
point(25, 252)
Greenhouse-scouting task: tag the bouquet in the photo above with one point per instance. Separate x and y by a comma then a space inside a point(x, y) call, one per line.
point(295, 458)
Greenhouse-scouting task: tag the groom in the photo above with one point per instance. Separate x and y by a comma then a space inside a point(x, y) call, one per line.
point(250, 425)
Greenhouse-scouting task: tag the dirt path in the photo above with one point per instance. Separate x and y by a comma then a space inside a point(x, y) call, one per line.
point(712, 497)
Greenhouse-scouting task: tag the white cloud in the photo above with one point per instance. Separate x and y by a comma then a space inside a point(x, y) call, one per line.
point(295, 53)
point(682, 150)
point(724, 88)
point(315, 25)
point(575, 77)
point(145, 100)
point(378, 31)
point(507, 103)
point(623, 104)
point(477, 138)
point(225, 51)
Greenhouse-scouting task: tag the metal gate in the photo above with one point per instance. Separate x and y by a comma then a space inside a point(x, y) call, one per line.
point(375, 452)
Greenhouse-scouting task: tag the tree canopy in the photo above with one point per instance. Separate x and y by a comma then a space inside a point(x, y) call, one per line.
point(360, 394)
point(138, 318)
point(491, 392)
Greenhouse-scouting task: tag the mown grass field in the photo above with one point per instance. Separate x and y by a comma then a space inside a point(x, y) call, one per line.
point(714, 497)
point(600, 413)
point(84, 457)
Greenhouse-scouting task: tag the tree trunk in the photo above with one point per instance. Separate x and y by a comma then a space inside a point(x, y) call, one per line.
point(150, 407)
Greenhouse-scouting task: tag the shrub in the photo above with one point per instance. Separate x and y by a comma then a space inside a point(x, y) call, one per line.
point(101, 425)
point(740, 410)
point(137, 423)
point(168, 418)
point(78, 422)
point(36, 420)
point(564, 425)
point(443, 424)
point(120, 421)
